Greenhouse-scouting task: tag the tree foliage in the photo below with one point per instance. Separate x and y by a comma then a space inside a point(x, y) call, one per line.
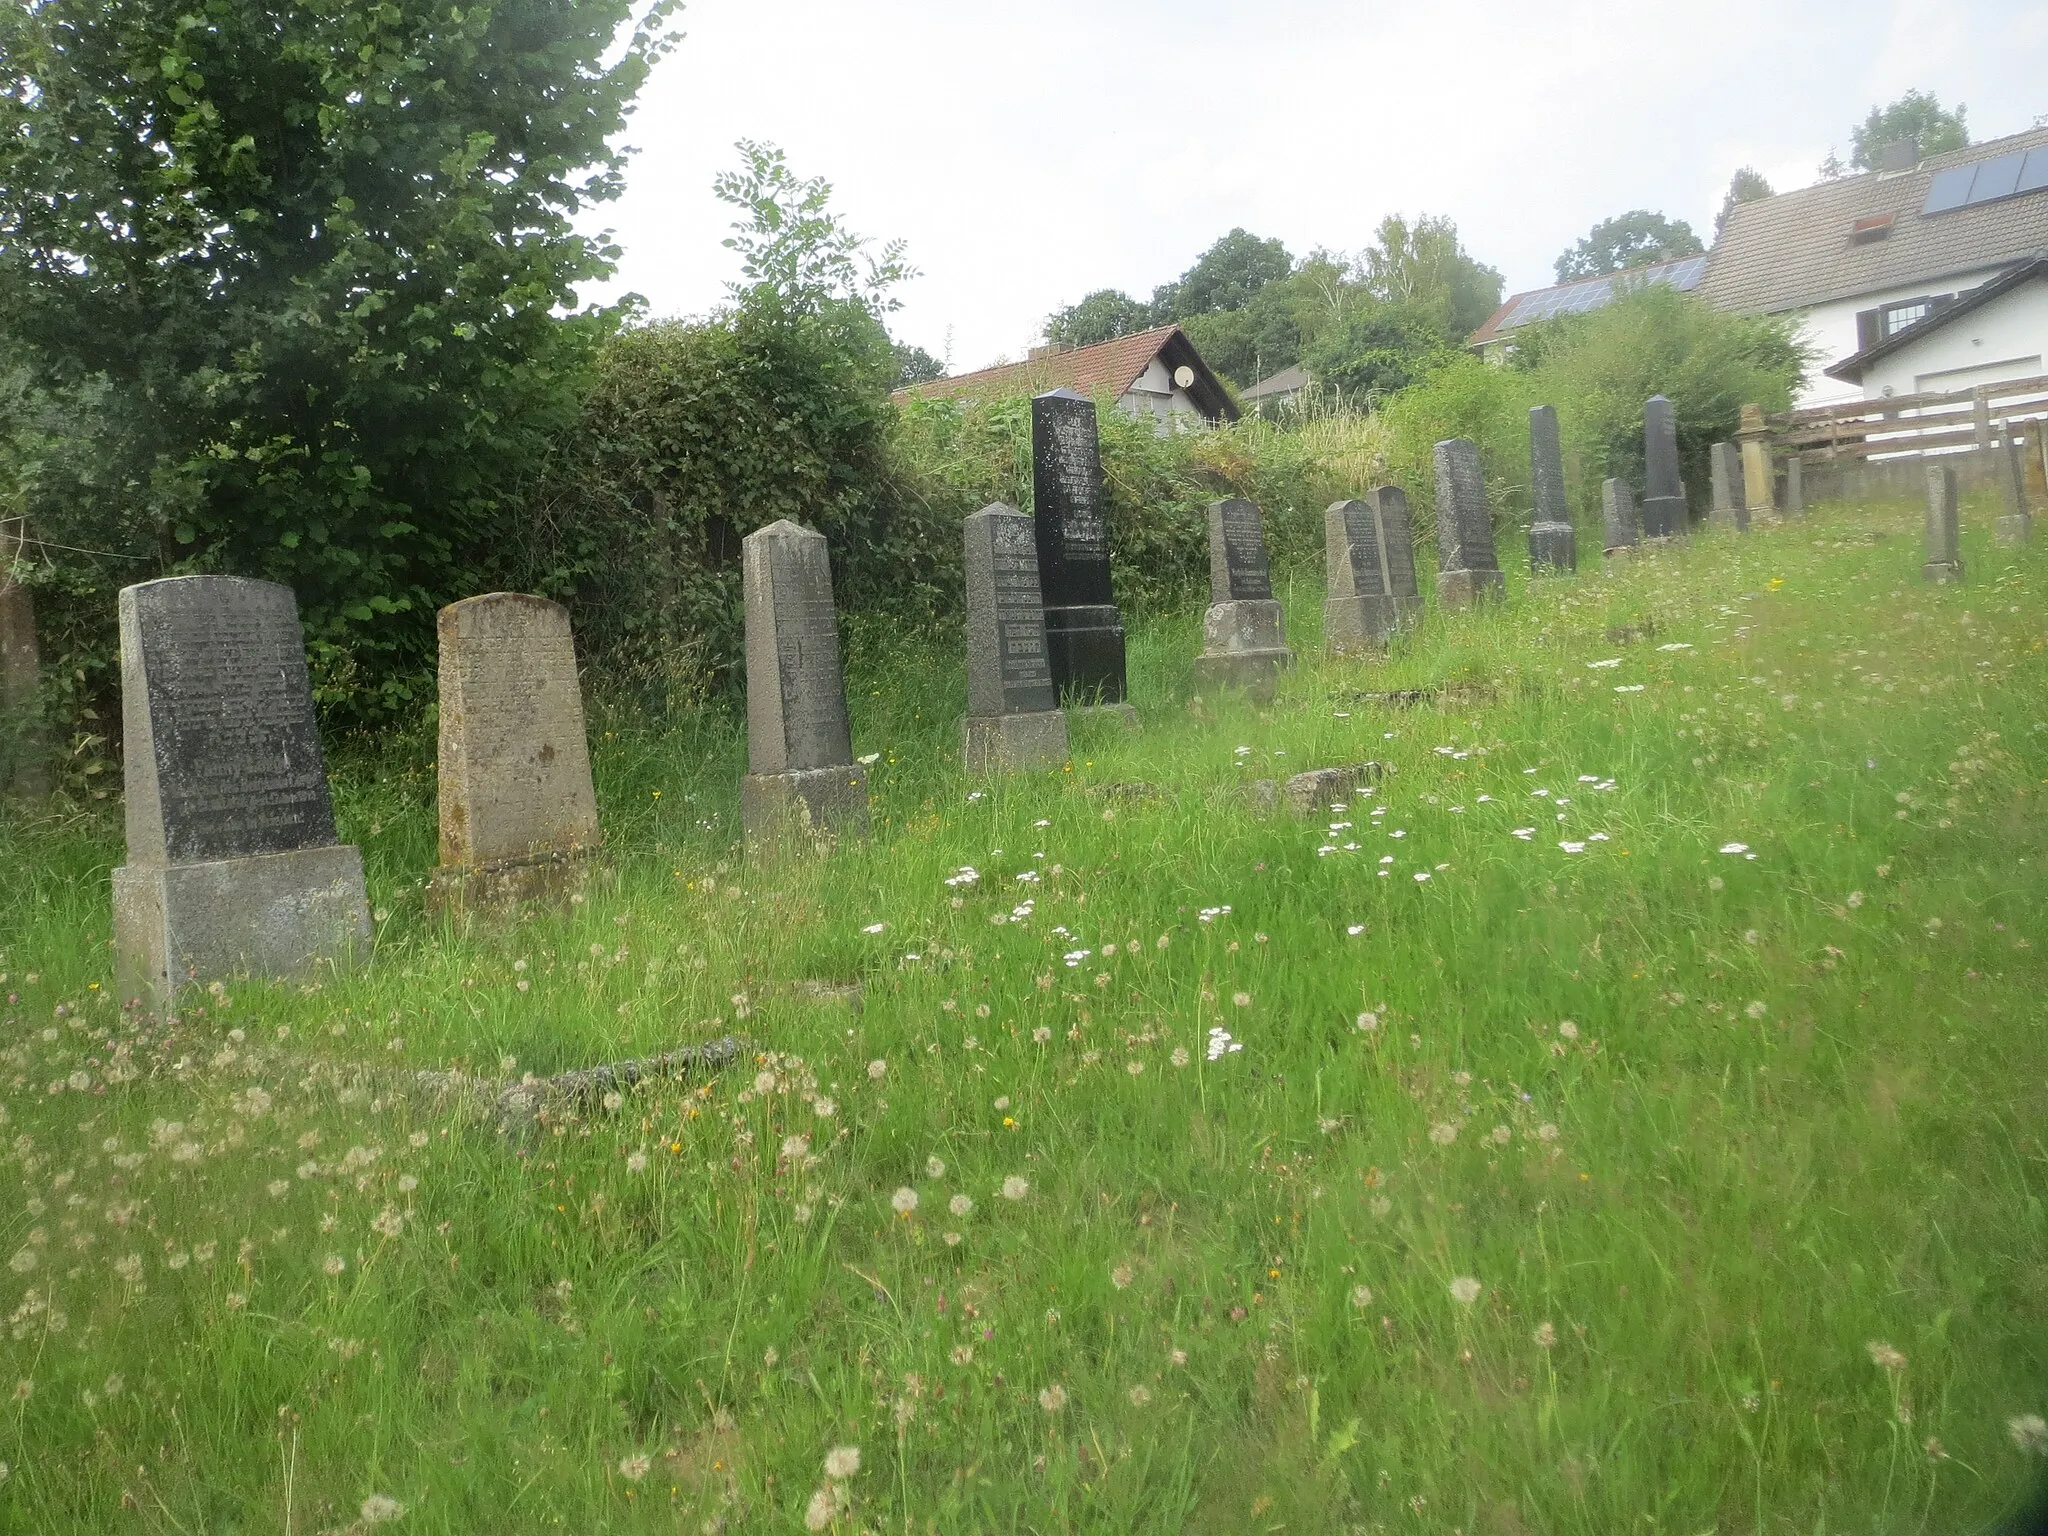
point(1746, 186)
point(1917, 115)
point(1638, 238)
point(1424, 269)
point(1102, 316)
point(288, 284)
point(1224, 277)
point(794, 249)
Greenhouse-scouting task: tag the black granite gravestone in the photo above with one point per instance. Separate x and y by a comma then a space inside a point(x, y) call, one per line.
point(1553, 542)
point(1083, 630)
point(1665, 515)
point(1468, 569)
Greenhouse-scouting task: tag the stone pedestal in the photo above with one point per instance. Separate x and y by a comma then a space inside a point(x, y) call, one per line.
point(1243, 646)
point(1369, 557)
point(1124, 716)
point(518, 814)
point(233, 863)
point(805, 807)
point(283, 915)
point(1469, 589)
point(1553, 548)
point(1003, 743)
point(1084, 645)
point(1759, 484)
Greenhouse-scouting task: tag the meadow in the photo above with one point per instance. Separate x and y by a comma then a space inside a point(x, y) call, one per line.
point(1624, 1114)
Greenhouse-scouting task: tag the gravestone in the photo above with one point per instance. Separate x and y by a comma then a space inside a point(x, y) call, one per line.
point(518, 815)
point(1468, 570)
point(1244, 635)
point(1084, 633)
point(1795, 485)
point(233, 866)
point(1014, 718)
point(803, 784)
point(1944, 554)
point(1553, 541)
point(1620, 531)
point(24, 766)
point(2016, 526)
point(1665, 514)
point(1758, 483)
point(1729, 509)
point(1369, 551)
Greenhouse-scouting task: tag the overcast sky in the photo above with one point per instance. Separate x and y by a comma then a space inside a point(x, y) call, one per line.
point(1031, 153)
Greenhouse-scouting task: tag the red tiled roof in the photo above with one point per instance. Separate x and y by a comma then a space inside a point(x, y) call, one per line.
point(1107, 368)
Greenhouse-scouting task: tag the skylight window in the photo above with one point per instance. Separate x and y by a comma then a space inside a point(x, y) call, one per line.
point(1988, 181)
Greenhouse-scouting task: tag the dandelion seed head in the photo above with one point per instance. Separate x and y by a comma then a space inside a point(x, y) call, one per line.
point(1016, 1187)
point(842, 1462)
point(380, 1508)
point(904, 1201)
point(1465, 1290)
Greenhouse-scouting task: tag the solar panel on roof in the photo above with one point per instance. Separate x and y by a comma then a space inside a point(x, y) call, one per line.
point(1949, 189)
point(1583, 298)
point(1997, 178)
point(2034, 177)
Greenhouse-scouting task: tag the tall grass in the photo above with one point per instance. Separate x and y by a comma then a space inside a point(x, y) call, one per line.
point(1689, 1180)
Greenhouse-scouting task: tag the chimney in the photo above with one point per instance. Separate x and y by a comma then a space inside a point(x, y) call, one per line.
point(1900, 155)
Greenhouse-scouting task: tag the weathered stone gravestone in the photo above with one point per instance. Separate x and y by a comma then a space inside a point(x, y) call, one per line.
point(233, 867)
point(1729, 508)
point(2017, 524)
point(1665, 514)
point(1084, 633)
point(1759, 484)
point(1944, 554)
point(1553, 542)
point(1244, 634)
point(804, 784)
point(1468, 570)
point(1014, 718)
point(1795, 485)
point(1369, 552)
point(24, 769)
point(1620, 532)
point(518, 815)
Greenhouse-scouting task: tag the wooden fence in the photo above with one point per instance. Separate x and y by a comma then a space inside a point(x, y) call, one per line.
point(1960, 421)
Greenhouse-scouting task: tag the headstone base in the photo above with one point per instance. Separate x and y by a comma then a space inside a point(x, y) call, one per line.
point(1321, 788)
point(2016, 528)
point(1617, 558)
point(1666, 517)
point(1366, 623)
point(1470, 589)
point(1729, 517)
point(268, 915)
point(810, 806)
point(1125, 715)
point(1257, 673)
point(1941, 572)
point(1553, 547)
point(1085, 646)
point(1002, 743)
point(504, 885)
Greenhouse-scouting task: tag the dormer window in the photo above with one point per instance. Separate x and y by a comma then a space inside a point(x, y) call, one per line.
point(1871, 230)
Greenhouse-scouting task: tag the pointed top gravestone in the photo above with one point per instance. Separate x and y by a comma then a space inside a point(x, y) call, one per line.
point(233, 866)
point(1665, 515)
point(804, 783)
point(1468, 569)
point(1553, 541)
point(1730, 506)
point(1084, 630)
point(518, 814)
point(1244, 638)
point(1014, 718)
point(1369, 554)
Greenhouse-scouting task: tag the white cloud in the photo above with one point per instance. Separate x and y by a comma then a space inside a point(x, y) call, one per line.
point(1032, 154)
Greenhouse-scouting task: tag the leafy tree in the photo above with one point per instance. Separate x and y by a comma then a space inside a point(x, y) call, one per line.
point(1638, 238)
point(1917, 115)
point(794, 249)
point(1747, 186)
point(1423, 268)
point(914, 365)
point(289, 285)
point(1832, 169)
point(1376, 350)
point(1269, 332)
point(1103, 316)
point(1224, 277)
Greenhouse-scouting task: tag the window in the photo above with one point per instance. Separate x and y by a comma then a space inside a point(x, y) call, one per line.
point(1887, 320)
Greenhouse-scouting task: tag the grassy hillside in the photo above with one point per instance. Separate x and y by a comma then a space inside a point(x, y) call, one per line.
point(1637, 1124)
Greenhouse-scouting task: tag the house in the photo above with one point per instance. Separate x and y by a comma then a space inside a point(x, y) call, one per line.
point(1496, 339)
point(1276, 390)
point(1994, 332)
point(1154, 374)
point(1863, 258)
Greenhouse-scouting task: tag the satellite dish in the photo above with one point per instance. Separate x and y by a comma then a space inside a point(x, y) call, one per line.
point(1184, 376)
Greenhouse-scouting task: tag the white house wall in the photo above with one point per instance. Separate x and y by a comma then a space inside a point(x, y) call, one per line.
point(2006, 339)
point(1157, 396)
point(1830, 330)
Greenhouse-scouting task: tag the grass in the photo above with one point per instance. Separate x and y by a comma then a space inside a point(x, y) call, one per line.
point(1733, 1117)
